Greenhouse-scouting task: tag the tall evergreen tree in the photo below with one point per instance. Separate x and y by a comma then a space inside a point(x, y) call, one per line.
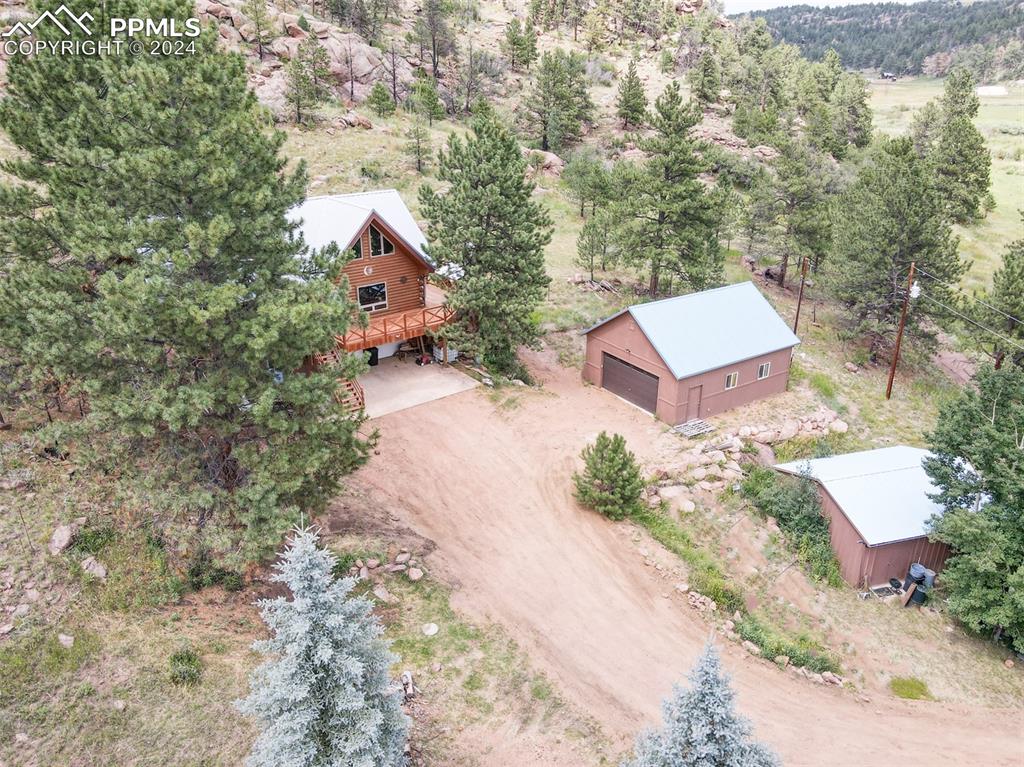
point(149, 265)
point(594, 246)
point(256, 12)
point(308, 78)
point(668, 218)
point(424, 100)
point(380, 100)
point(705, 79)
point(892, 215)
point(326, 696)
point(587, 180)
point(558, 103)
point(978, 467)
point(512, 43)
point(418, 143)
point(631, 104)
point(701, 727)
point(488, 230)
point(1002, 309)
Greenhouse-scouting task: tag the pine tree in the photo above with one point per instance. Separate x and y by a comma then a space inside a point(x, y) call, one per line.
point(595, 28)
point(380, 100)
point(892, 215)
point(586, 180)
point(150, 268)
point(853, 118)
point(528, 46)
point(632, 101)
point(1003, 310)
point(701, 727)
point(424, 99)
point(978, 467)
point(418, 143)
point(513, 42)
point(308, 78)
point(594, 245)
point(963, 169)
point(706, 80)
point(559, 103)
point(611, 483)
point(486, 228)
point(325, 697)
point(668, 218)
point(256, 12)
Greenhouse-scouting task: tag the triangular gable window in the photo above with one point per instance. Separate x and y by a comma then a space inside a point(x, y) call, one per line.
point(357, 249)
point(379, 244)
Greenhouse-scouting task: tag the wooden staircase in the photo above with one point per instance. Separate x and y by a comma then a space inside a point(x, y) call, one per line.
point(349, 393)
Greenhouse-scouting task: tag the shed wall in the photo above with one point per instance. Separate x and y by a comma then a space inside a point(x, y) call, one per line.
point(622, 338)
point(715, 398)
point(863, 565)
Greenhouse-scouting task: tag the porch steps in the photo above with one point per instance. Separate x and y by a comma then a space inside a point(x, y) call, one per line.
point(693, 428)
point(350, 394)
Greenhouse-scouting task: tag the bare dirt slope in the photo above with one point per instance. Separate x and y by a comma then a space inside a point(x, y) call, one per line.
point(490, 484)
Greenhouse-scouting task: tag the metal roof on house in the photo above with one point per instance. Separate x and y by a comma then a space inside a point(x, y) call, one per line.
point(884, 493)
point(341, 217)
point(704, 331)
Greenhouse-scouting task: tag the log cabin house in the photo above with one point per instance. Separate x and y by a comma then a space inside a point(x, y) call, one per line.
point(387, 274)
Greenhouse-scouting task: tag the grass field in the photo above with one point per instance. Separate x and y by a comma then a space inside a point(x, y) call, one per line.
point(1001, 122)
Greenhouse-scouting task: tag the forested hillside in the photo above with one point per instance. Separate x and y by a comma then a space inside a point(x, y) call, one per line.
point(927, 37)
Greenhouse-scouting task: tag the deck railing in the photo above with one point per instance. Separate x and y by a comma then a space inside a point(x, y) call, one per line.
point(388, 328)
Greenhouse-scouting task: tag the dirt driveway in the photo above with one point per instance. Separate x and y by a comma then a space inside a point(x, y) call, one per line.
point(496, 498)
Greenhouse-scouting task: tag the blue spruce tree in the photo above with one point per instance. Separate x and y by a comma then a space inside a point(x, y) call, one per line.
point(325, 698)
point(701, 727)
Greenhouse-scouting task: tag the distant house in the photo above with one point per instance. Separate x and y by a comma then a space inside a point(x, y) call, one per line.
point(387, 275)
point(878, 505)
point(692, 356)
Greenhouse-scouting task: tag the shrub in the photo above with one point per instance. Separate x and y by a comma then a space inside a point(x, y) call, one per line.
point(202, 572)
point(801, 649)
point(610, 483)
point(380, 101)
point(795, 505)
point(186, 667)
point(909, 687)
point(92, 540)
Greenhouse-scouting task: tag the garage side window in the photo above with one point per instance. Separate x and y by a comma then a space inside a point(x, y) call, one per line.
point(731, 380)
point(373, 297)
point(379, 244)
point(764, 370)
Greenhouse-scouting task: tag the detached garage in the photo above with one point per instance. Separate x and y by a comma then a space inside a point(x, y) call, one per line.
point(878, 503)
point(692, 356)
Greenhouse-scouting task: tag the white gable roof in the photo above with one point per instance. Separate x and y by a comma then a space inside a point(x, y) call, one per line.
point(708, 330)
point(341, 217)
point(884, 493)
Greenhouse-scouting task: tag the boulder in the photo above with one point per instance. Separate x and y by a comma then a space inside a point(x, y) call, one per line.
point(402, 558)
point(839, 427)
point(751, 648)
point(699, 473)
point(686, 506)
point(782, 660)
point(218, 11)
point(789, 430)
point(831, 678)
point(95, 568)
point(62, 537)
point(415, 574)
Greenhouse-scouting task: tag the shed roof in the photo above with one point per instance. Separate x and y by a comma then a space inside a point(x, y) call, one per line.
point(341, 217)
point(704, 331)
point(884, 493)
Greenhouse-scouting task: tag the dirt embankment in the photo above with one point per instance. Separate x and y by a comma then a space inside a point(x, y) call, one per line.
point(491, 486)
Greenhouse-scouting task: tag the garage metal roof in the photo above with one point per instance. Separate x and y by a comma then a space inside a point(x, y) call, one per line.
point(341, 217)
point(704, 331)
point(884, 493)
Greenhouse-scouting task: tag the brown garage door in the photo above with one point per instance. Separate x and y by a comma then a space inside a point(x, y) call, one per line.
point(630, 382)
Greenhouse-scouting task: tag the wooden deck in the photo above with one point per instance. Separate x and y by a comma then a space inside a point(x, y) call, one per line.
point(395, 326)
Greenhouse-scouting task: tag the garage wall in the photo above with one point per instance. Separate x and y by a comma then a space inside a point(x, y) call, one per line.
point(622, 338)
point(863, 565)
point(716, 399)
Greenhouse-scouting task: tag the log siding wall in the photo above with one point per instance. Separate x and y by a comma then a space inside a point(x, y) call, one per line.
point(402, 273)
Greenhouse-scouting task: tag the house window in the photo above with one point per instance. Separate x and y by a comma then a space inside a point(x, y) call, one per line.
point(764, 370)
point(379, 244)
point(731, 380)
point(357, 249)
point(373, 297)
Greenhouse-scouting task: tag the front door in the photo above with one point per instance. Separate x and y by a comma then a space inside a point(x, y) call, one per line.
point(693, 402)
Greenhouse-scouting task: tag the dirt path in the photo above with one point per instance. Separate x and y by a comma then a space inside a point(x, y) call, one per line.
point(494, 494)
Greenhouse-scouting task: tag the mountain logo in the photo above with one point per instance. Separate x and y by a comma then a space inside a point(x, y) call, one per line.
point(70, 21)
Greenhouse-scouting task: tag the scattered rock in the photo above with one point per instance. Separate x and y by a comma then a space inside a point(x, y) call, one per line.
point(699, 473)
point(364, 573)
point(782, 660)
point(414, 574)
point(62, 537)
point(395, 568)
point(6, 629)
point(700, 602)
point(686, 506)
point(851, 367)
point(372, 563)
point(384, 595)
point(654, 501)
point(15, 480)
point(839, 427)
point(831, 678)
point(118, 704)
point(95, 568)
point(402, 558)
point(429, 629)
point(1008, 662)
point(751, 648)
point(66, 640)
point(682, 588)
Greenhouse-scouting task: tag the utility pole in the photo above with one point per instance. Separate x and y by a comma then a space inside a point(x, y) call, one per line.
point(899, 333)
point(800, 297)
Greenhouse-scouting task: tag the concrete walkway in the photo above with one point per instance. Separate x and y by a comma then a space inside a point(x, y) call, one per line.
point(395, 385)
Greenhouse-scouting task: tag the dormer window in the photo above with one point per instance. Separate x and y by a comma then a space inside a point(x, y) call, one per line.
point(379, 244)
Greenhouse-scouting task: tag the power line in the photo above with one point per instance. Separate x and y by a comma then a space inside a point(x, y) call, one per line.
point(973, 322)
point(975, 298)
